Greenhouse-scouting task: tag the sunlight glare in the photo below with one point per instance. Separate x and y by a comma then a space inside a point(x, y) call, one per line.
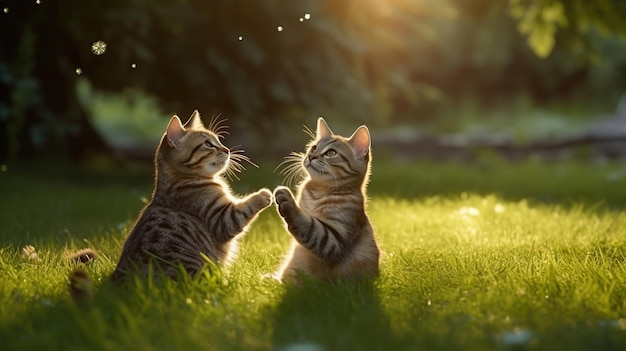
point(6, 10)
point(469, 211)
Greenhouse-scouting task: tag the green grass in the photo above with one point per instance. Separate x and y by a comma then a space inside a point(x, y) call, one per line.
point(475, 257)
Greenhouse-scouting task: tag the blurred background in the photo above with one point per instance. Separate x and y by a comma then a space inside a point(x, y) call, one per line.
point(437, 79)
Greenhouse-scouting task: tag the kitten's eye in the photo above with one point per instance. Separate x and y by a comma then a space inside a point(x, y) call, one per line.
point(209, 144)
point(331, 153)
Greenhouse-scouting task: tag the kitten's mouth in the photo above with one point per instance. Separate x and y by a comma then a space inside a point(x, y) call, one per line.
point(310, 167)
point(219, 163)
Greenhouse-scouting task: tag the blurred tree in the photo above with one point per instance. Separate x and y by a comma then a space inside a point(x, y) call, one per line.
point(374, 61)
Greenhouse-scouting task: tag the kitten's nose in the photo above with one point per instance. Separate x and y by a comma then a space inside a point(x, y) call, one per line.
point(311, 158)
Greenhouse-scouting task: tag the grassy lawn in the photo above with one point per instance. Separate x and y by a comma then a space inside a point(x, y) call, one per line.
point(487, 256)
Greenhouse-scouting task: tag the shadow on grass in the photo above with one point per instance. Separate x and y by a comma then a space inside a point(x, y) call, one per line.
point(140, 313)
point(341, 316)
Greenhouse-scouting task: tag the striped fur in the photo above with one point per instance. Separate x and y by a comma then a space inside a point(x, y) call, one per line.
point(192, 212)
point(333, 236)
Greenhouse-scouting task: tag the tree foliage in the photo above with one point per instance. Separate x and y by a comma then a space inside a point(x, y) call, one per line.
point(541, 21)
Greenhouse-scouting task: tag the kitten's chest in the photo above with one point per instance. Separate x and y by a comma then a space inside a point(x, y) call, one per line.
point(321, 206)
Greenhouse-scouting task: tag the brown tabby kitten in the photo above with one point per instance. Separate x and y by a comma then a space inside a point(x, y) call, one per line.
point(333, 237)
point(192, 212)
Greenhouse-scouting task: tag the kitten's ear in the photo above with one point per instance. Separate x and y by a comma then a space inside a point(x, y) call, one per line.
point(175, 131)
point(194, 122)
point(360, 141)
point(322, 129)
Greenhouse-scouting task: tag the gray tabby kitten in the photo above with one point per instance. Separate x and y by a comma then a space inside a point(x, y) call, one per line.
point(332, 234)
point(192, 212)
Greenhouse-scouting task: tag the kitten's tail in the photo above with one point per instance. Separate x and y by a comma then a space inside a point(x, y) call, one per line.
point(84, 256)
point(81, 284)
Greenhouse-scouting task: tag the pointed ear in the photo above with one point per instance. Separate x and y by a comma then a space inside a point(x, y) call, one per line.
point(194, 121)
point(175, 131)
point(322, 129)
point(360, 141)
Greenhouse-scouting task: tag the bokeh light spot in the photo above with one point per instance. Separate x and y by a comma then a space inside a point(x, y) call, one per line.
point(99, 47)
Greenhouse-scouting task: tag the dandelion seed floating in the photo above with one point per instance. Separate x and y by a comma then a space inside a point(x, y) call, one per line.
point(6, 10)
point(307, 16)
point(99, 47)
point(30, 253)
point(240, 38)
point(280, 28)
point(38, 2)
point(79, 71)
point(301, 19)
point(134, 65)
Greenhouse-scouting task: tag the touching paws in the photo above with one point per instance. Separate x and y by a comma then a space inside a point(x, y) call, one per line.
point(285, 202)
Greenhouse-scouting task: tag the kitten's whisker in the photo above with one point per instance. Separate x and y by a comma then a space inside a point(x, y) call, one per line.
point(236, 165)
point(237, 154)
point(230, 174)
point(221, 131)
point(291, 168)
point(309, 132)
point(240, 157)
point(217, 126)
point(292, 158)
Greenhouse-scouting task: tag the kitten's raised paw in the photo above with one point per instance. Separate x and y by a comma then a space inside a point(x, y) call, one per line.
point(284, 200)
point(283, 194)
point(264, 198)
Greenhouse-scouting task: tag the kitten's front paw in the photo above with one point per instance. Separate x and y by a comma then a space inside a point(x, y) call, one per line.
point(263, 198)
point(284, 201)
